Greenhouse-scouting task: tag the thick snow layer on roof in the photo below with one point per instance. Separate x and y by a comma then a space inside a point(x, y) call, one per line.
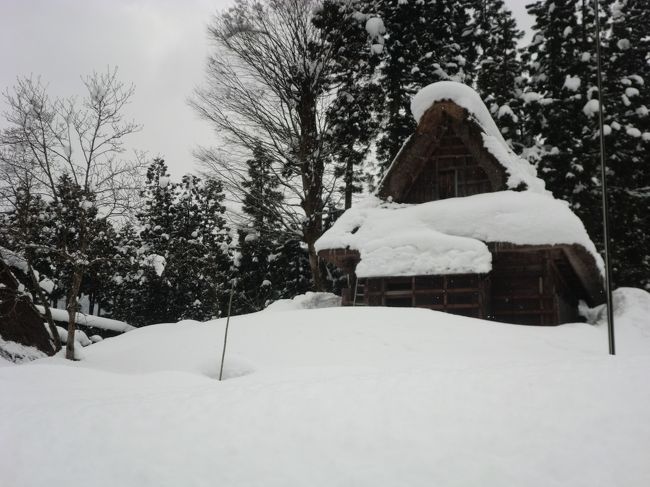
point(460, 94)
point(519, 170)
point(422, 251)
point(447, 236)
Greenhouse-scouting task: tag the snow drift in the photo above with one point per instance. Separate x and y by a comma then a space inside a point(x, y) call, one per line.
point(339, 397)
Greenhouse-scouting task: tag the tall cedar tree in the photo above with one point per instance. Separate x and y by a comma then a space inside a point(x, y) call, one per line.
point(561, 63)
point(271, 264)
point(499, 78)
point(75, 237)
point(425, 42)
point(197, 257)
point(256, 281)
point(184, 248)
point(353, 122)
point(131, 297)
point(627, 119)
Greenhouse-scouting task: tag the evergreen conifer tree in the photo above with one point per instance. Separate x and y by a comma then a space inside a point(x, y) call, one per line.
point(184, 254)
point(560, 60)
point(499, 70)
point(271, 263)
point(425, 42)
point(352, 112)
point(627, 130)
point(130, 293)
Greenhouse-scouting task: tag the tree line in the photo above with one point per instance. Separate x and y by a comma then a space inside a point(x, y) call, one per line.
point(321, 90)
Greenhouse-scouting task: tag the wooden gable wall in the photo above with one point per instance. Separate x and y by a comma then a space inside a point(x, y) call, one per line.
point(451, 171)
point(445, 158)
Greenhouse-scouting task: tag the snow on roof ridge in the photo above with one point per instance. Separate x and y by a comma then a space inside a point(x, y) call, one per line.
point(519, 170)
point(462, 95)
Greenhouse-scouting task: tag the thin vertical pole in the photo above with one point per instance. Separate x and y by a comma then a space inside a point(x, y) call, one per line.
point(356, 288)
point(606, 240)
point(225, 335)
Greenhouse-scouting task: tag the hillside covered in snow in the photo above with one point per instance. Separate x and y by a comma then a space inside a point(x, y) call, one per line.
point(338, 397)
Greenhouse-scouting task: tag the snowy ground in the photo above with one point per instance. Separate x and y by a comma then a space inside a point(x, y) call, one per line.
point(338, 397)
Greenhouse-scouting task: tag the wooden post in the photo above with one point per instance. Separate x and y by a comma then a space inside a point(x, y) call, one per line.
point(225, 335)
point(603, 176)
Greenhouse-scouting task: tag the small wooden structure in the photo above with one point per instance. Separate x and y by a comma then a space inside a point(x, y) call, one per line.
point(20, 321)
point(528, 284)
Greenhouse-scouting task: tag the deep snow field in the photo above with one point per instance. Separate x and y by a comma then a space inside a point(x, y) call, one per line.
point(338, 397)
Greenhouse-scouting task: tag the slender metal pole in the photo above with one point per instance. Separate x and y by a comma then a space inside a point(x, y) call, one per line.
point(225, 335)
point(356, 288)
point(603, 171)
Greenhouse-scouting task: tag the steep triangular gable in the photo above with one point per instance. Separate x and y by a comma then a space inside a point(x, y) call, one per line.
point(416, 154)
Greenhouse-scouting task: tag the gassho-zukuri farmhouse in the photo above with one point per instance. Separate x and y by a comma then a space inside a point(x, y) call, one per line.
point(461, 224)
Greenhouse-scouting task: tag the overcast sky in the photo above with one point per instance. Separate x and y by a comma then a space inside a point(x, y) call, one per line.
point(159, 45)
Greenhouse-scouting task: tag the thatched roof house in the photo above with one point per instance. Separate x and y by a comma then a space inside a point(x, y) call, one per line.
point(20, 322)
point(462, 224)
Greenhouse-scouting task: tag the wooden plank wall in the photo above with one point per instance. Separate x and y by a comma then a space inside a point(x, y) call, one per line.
point(531, 287)
point(463, 294)
point(523, 288)
point(450, 172)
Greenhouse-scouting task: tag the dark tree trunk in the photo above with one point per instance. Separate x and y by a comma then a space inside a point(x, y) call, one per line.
point(73, 305)
point(349, 181)
point(312, 169)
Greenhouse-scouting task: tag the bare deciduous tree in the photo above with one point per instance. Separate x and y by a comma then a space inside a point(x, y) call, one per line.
point(83, 140)
point(268, 84)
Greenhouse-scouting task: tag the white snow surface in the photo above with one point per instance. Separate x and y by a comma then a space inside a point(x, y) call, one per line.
point(309, 300)
point(446, 236)
point(13, 352)
point(61, 315)
point(519, 170)
point(339, 397)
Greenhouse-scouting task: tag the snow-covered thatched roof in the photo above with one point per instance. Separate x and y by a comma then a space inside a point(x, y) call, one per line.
point(449, 236)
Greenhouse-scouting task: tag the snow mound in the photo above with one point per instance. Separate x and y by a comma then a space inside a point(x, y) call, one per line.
point(187, 346)
point(309, 300)
point(631, 318)
point(338, 395)
point(16, 353)
point(519, 170)
point(446, 236)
